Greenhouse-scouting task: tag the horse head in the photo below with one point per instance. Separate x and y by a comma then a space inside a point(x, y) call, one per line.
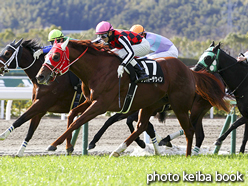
point(209, 59)
point(9, 56)
point(56, 63)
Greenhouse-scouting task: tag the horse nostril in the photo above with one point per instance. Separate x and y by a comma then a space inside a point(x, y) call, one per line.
point(40, 78)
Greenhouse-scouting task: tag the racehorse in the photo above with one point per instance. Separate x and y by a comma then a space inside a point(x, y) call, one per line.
point(235, 76)
point(199, 109)
point(45, 99)
point(53, 98)
point(97, 70)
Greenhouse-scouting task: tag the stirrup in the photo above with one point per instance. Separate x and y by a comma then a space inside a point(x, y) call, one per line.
point(142, 78)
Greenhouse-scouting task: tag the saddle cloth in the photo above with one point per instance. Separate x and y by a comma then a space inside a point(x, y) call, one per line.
point(152, 69)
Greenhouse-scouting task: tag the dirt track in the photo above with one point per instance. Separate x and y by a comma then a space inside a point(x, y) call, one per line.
point(50, 129)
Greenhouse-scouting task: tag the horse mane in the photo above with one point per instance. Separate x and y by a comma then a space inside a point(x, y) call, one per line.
point(31, 44)
point(228, 56)
point(95, 48)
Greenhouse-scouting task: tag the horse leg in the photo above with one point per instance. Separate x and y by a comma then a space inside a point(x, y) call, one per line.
point(236, 124)
point(90, 112)
point(142, 125)
point(129, 122)
point(199, 108)
point(166, 141)
point(150, 131)
point(72, 115)
point(32, 111)
point(109, 122)
point(245, 138)
point(188, 129)
point(32, 127)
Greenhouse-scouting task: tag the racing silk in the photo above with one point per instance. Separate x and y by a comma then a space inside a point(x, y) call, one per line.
point(158, 43)
point(246, 54)
point(125, 39)
point(46, 49)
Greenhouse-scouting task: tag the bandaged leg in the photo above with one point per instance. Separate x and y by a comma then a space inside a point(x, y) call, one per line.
point(4, 135)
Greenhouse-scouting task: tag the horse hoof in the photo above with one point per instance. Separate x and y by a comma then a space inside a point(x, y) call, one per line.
point(168, 144)
point(51, 148)
point(91, 146)
point(141, 143)
point(218, 142)
point(165, 142)
point(114, 154)
point(69, 150)
point(2, 137)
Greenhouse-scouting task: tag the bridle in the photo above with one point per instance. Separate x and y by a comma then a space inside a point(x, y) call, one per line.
point(57, 69)
point(216, 57)
point(12, 57)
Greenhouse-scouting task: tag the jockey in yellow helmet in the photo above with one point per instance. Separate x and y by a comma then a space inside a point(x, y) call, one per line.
point(54, 34)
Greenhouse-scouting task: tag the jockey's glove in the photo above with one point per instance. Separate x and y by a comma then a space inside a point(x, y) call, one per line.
point(120, 70)
point(37, 54)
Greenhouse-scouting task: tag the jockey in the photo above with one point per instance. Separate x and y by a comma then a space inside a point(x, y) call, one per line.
point(160, 46)
point(242, 57)
point(54, 34)
point(126, 44)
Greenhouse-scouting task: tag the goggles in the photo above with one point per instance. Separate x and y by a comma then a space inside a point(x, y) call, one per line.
point(102, 36)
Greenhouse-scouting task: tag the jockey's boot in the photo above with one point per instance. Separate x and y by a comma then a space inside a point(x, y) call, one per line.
point(140, 73)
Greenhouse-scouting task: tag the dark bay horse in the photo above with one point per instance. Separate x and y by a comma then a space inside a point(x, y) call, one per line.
point(53, 98)
point(97, 70)
point(235, 76)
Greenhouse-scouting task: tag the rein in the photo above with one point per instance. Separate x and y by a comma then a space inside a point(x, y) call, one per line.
point(228, 68)
point(77, 58)
point(55, 70)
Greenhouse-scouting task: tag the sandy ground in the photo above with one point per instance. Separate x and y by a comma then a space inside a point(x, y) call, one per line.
point(50, 129)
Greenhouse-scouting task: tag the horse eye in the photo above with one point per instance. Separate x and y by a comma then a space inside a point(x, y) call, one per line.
point(56, 57)
point(7, 53)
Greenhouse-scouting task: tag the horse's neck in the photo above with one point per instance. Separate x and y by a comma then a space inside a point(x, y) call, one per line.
point(231, 72)
point(26, 60)
point(92, 70)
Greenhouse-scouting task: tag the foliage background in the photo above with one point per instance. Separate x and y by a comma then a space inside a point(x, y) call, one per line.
point(190, 24)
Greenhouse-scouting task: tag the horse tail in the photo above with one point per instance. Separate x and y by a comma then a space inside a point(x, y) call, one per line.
point(211, 89)
point(161, 114)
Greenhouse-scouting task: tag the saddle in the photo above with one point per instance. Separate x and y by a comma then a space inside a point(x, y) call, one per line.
point(153, 70)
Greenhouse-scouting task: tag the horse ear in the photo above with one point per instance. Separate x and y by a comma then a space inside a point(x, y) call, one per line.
point(18, 43)
point(212, 44)
point(13, 42)
point(63, 46)
point(216, 48)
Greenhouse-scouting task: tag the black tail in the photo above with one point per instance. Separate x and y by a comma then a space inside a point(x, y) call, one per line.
point(162, 113)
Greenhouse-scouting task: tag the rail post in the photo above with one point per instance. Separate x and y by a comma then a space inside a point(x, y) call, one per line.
point(85, 139)
point(233, 133)
point(224, 129)
point(231, 118)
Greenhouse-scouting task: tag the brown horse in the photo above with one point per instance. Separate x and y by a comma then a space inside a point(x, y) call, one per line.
point(97, 70)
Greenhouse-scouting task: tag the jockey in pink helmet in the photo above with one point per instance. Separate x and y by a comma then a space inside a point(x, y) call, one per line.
point(126, 44)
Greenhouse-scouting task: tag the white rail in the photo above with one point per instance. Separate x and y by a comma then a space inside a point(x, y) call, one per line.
point(15, 93)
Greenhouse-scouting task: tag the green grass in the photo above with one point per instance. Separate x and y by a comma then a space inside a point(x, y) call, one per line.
point(125, 170)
